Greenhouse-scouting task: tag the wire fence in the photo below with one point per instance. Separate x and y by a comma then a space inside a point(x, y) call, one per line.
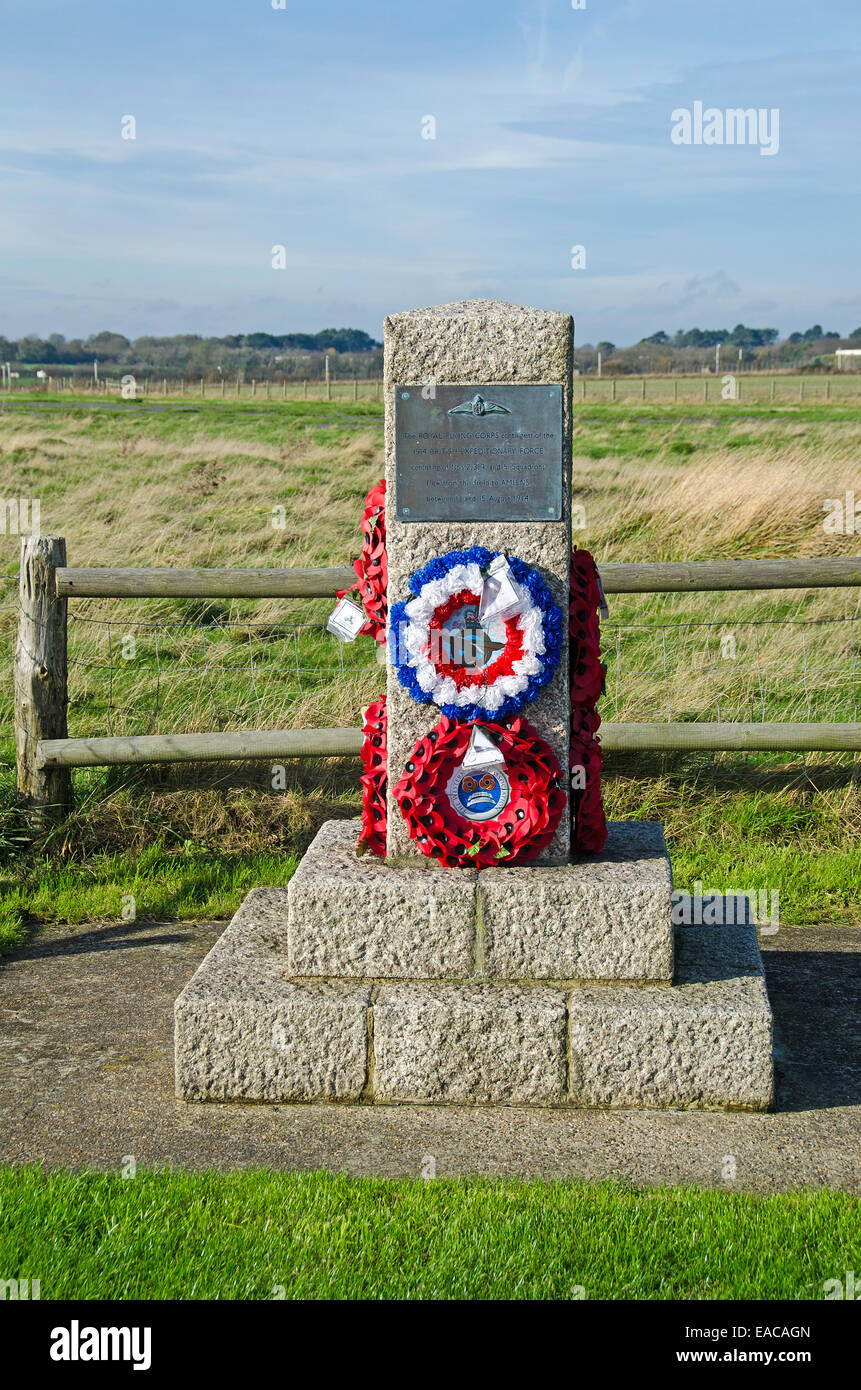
point(189, 676)
point(727, 386)
point(217, 671)
point(744, 670)
point(186, 676)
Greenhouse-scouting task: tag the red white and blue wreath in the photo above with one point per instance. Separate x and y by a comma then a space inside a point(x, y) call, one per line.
point(475, 668)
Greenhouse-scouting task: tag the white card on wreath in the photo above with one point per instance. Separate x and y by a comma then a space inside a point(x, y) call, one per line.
point(346, 620)
point(482, 752)
point(500, 597)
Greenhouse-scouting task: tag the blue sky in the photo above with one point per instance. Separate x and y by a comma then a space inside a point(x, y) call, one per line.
point(302, 127)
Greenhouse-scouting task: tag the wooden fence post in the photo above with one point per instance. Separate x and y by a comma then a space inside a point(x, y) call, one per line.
point(41, 676)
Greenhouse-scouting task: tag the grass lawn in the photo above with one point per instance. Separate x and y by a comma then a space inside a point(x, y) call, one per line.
point(259, 1235)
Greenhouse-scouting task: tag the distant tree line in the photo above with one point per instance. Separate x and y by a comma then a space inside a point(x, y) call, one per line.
point(739, 337)
point(354, 352)
point(694, 349)
point(709, 337)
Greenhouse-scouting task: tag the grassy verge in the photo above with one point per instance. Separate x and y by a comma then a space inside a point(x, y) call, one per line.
point(753, 823)
point(140, 845)
point(192, 852)
point(161, 884)
point(259, 1235)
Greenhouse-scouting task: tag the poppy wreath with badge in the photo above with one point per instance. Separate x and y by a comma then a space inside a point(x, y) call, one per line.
point(511, 661)
point(374, 779)
point(372, 567)
point(487, 816)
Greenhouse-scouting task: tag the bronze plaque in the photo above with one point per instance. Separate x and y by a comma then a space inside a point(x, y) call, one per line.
point(478, 453)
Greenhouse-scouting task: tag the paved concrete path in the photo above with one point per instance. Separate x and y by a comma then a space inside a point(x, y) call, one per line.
point(86, 1078)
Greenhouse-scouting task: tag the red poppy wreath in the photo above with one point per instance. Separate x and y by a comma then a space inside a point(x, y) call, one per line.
point(487, 813)
point(374, 779)
point(589, 825)
point(372, 566)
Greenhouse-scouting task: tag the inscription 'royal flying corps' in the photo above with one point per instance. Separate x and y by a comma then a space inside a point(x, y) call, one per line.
point(454, 463)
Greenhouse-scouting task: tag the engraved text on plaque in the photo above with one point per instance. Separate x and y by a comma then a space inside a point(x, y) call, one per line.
point(478, 453)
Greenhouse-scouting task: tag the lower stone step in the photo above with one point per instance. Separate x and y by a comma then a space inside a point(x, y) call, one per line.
point(247, 1031)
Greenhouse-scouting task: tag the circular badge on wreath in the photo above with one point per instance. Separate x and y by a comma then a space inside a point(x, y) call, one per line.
point(480, 637)
point(478, 795)
point(481, 794)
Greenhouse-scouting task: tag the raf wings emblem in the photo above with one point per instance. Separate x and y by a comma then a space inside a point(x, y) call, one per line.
point(479, 406)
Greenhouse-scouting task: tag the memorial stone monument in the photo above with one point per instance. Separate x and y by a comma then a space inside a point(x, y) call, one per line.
point(432, 971)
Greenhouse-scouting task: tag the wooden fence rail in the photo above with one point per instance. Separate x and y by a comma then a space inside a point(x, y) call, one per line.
point(686, 577)
point(197, 748)
point(347, 743)
point(214, 583)
point(46, 755)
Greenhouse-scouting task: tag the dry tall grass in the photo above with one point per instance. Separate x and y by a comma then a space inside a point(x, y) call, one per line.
point(198, 491)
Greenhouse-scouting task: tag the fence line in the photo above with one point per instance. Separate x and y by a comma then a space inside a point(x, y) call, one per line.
point(734, 666)
point(617, 578)
point(155, 387)
point(746, 387)
point(46, 753)
point(347, 743)
point(203, 583)
point(815, 668)
point(193, 748)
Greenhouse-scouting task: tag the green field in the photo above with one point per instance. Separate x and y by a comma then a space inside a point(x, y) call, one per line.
point(196, 484)
point(262, 1235)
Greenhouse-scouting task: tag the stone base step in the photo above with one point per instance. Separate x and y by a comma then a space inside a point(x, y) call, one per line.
point(601, 917)
point(247, 1031)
